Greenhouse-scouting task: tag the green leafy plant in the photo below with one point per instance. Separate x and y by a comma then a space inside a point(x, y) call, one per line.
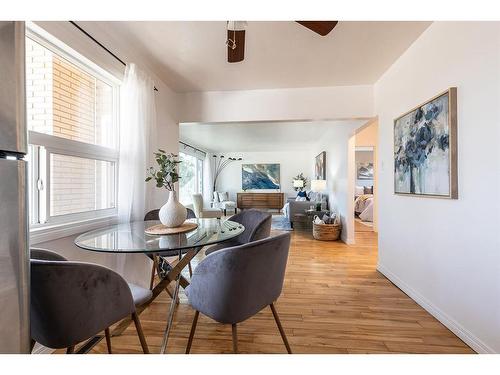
point(166, 175)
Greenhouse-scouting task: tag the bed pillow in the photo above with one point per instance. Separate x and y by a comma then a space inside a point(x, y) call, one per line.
point(359, 190)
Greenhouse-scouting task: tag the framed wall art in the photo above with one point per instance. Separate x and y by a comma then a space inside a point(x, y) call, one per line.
point(320, 166)
point(425, 148)
point(260, 176)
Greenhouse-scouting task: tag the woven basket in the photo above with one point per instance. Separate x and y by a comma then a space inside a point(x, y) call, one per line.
point(326, 232)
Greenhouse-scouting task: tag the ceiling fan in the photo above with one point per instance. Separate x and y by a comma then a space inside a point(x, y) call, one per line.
point(236, 36)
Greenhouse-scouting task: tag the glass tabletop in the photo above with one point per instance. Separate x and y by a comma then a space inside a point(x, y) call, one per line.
point(131, 237)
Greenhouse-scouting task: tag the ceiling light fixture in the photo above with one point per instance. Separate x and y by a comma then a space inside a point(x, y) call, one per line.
point(235, 41)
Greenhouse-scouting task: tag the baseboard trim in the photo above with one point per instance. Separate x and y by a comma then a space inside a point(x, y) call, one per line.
point(465, 335)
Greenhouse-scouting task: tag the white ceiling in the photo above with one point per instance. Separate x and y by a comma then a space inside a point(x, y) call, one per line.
point(258, 136)
point(191, 56)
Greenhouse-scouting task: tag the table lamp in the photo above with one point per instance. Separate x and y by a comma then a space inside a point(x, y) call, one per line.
point(318, 186)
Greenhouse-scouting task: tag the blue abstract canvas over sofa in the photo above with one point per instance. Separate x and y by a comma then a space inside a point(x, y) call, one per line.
point(260, 176)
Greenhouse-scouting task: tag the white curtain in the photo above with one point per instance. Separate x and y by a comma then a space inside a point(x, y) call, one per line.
point(137, 125)
point(208, 180)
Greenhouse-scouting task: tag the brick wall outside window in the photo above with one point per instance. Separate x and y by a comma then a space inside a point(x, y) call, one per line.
point(64, 101)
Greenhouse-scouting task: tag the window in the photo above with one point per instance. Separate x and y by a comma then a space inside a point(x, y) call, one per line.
point(191, 173)
point(72, 118)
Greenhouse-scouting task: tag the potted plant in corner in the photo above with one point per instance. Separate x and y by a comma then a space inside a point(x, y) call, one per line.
point(173, 213)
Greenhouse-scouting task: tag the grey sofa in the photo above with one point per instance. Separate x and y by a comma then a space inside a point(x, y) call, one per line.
point(296, 209)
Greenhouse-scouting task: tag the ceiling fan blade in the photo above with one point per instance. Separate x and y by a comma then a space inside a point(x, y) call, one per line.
point(238, 38)
point(320, 27)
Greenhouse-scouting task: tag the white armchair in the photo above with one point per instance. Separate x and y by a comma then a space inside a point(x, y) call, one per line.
point(221, 201)
point(202, 212)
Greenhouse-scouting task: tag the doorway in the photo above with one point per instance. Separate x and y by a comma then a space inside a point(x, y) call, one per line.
point(363, 178)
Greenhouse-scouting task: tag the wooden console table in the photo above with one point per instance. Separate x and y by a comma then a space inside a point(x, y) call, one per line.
point(261, 200)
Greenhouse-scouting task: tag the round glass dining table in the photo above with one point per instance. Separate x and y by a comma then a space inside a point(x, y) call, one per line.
point(132, 238)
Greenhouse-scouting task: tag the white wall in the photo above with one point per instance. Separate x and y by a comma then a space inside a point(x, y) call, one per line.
point(446, 253)
point(338, 143)
point(315, 103)
point(291, 164)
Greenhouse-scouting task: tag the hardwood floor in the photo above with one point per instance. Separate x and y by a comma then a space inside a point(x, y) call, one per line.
point(333, 301)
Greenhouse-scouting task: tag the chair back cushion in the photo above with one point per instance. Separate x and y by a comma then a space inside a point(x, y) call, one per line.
point(44, 254)
point(190, 213)
point(73, 301)
point(257, 225)
point(233, 284)
point(197, 204)
point(155, 214)
point(152, 215)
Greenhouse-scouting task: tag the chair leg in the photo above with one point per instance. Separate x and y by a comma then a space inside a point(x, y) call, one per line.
point(108, 340)
point(70, 350)
point(138, 327)
point(235, 338)
point(282, 331)
point(193, 329)
point(190, 270)
point(153, 271)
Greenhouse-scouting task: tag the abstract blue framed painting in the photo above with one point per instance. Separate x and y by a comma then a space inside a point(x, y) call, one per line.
point(260, 176)
point(425, 148)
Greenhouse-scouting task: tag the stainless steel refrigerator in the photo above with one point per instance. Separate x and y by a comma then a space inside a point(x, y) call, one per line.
point(14, 258)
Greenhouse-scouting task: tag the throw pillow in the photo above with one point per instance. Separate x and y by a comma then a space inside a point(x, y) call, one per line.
point(360, 190)
point(367, 190)
point(302, 194)
point(312, 196)
point(300, 199)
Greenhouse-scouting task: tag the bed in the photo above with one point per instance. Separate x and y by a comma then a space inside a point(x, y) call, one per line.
point(363, 207)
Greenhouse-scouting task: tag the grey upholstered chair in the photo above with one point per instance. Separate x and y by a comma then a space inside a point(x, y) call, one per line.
point(257, 226)
point(73, 301)
point(155, 215)
point(233, 284)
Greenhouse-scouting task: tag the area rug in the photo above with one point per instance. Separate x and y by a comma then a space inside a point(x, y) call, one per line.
point(280, 222)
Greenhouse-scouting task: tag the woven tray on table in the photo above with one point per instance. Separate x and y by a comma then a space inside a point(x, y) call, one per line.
point(326, 232)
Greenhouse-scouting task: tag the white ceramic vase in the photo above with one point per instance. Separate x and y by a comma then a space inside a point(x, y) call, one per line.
point(172, 213)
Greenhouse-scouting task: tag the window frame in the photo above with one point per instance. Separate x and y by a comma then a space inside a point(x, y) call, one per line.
point(45, 145)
